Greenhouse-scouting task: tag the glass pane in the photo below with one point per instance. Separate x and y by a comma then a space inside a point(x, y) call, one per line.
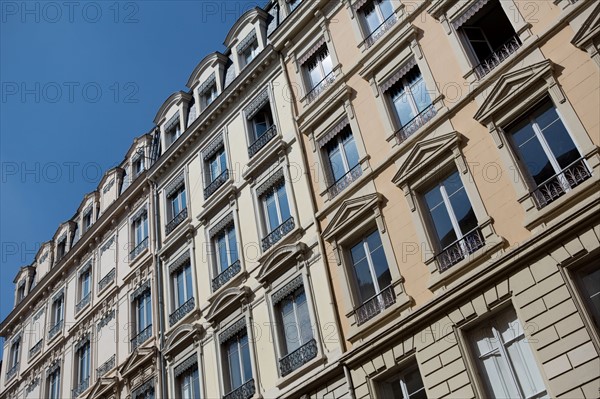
point(233, 254)
point(315, 76)
point(414, 384)
point(420, 94)
point(180, 289)
point(364, 280)
point(386, 7)
point(372, 20)
point(382, 271)
point(463, 211)
point(335, 161)
point(591, 287)
point(403, 109)
point(272, 216)
point(222, 253)
point(327, 65)
point(350, 150)
point(303, 317)
point(557, 137)
point(443, 226)
point(246, 364)
point(536, 161)
point(283, 203)
point(289, 325)
point(188, 282)
point(235, 376)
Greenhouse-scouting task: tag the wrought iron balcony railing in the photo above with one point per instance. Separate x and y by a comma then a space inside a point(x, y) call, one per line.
point(460, 249)
point(344, 181)
point(296, 359)
point(375, 305)
point(409, 128)
point(226, 275)
point(216, 183)
point(561, 183)
point(320, 87)
point(81, 387)
point(380, 31)
point(244, 391)
point(106, 366)
point(10, 374)
point(262, 141)
point(141, 337)
point(35, 349)
point(497, 57)
point(176, 221)
point(184, 309)
point(278, 233)
point(108, 279)
point(55, 329)
point(139, 248)
point(83, 302)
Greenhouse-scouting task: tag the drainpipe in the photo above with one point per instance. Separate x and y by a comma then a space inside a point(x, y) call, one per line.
point(321, 244)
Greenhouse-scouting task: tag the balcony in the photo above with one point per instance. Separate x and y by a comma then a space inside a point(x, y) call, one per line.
point(83, 385)
point(106, 366)
point(226, 275)
point(409, 128)
point(216, 183)
point(343, 182)
point(12, 372)
point(278, 233)
point(320, 87)
point(35, 349)
point(460, 249)
point(55, 329)
point(375, 305)
point(139, 249)
point(83, 302)
point(561, 183)
point(108, 279)
point(245, 391)
point(497, 57)
point(262, 141)
point(142, 337)
point(380, 31)
point(176, 221)
point(184, 309)
point(298, 358)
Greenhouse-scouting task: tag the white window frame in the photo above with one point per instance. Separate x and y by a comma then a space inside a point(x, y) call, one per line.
point(380, 16)
point(57, 310)
point(88, 363)
point(209, 95)
point(215, 158)
point(219, 268)
point(282, 329)
point(141, 302)
point(228, 377)
point(176, 198)
point(15, 353)
point(187, 295)
point(363, 241)
point(140, 224)
point(409, 95)
point(250, 53)
point(342, 151)
point(319, 65)
point(53, 385)
point(263, 199)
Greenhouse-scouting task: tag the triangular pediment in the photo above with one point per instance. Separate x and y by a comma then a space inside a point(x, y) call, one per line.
point(350, 211)
point(135, 359)
point(510, 86)
point(589, 30)
point(424, 153)
point(103, 385)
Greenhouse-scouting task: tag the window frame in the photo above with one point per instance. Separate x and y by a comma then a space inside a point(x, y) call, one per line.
point(316, 58)
point(175, 285)
point(178, 197)
point(140, 222)
point(53, 381)
point(397, 376)
point(85, 349)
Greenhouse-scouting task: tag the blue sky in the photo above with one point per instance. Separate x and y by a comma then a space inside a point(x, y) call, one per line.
point(79, 81)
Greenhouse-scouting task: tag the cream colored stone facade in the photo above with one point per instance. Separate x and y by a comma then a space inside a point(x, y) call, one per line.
point(278, 233)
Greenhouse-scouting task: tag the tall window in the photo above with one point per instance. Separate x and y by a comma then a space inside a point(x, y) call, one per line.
point(588, 281)
point(276, 212)
point(15, 354)
point(225, 248)
point(87, 220)
point(54, 384)
point(375, 12)
point(294, 318)
point(545, 149)
point(83, 365)
point(209, 95)
point(342, 154)
point(370, 266)
point(172, 131)
point(143, 311)
point(61, 249)
point(318, 67)
point(407, 385)
point(409, 96)
point(249, 53)
point(85, 284)
point(188, 383)
point(182, 285)
point(505, 360)
point(177, 202)
point(140, 229)
point(261, 121)
point(21, 291)
point(217, 164)
point(138, 165)
point(237, 361)
point(57, 310)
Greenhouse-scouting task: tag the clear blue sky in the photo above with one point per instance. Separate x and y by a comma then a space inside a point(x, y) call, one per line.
point(78, 82)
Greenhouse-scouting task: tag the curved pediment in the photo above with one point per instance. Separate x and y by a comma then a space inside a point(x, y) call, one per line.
point(350, 211)
point(283, 255)
point(248, 17)
point(210, 61)
point(173, 100)
point(510, 86)
point(180, 335)
point(227, 299)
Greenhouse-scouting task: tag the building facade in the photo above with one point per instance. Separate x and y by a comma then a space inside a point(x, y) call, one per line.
point(355, 199)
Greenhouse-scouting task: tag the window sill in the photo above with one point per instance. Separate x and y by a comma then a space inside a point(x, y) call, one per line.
point(220, 196)
point(274, 147)
point(294, 235)
point(241, 276)
point(302, 370)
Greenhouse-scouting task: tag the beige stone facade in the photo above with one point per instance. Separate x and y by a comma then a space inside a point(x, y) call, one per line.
point(355, 199)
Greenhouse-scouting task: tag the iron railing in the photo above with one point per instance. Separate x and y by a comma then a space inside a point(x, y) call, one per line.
point(35, 349)
point(83, 385)
point(216, 183)
point(262, 141)
point(497, 57)
point(375, 305)
point(409, 128)
point(141, 337)
point(184, 309)
point(106, 366)
point(244, 391)
point(55, 329)
point(460, 249)
point(176, 221)
point(10, 374)
point(278, 233)
point(380, 30)
point(83, 302)
point(559, 184)
point(226, 275)
point(139, 248)
point(340, 185)
point(108, 279)
point(296, 359)
point(320, 87)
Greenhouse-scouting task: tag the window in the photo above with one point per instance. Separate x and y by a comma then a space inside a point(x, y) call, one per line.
point(588, 282)
point(217, 164)
point(261, 122)
point(342, 155)
point(408, 99)
point(374, 13)
point(87, 220)
point(249, 53)
point(276, 207)
point(489, 37)
point(83, 354)
point(172, 131)
point(547, 152)
point(455, 226)
point(14, 355)
point(209, 95)
point(225, 248)
point(54, 384)
point(238, 368)
point(182, 285)
point(504, 359)
point(293, 4)
point(140, 229)
point(318, 67)
point(21, 291)
point(61, 249)
point(138, 165)
point(215, 167)
point(177, 202)
point(188, 383)
point(58, 305)
point(143, 319)
point(408, 385)
point(85, 284)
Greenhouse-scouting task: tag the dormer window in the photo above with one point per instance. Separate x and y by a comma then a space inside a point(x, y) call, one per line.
point(208, 91)
point(293, 4)
point(61, 248)
point(138, 165)
point(172, 130)
point(87, 220)
point(248, 49)
point(21, 291)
